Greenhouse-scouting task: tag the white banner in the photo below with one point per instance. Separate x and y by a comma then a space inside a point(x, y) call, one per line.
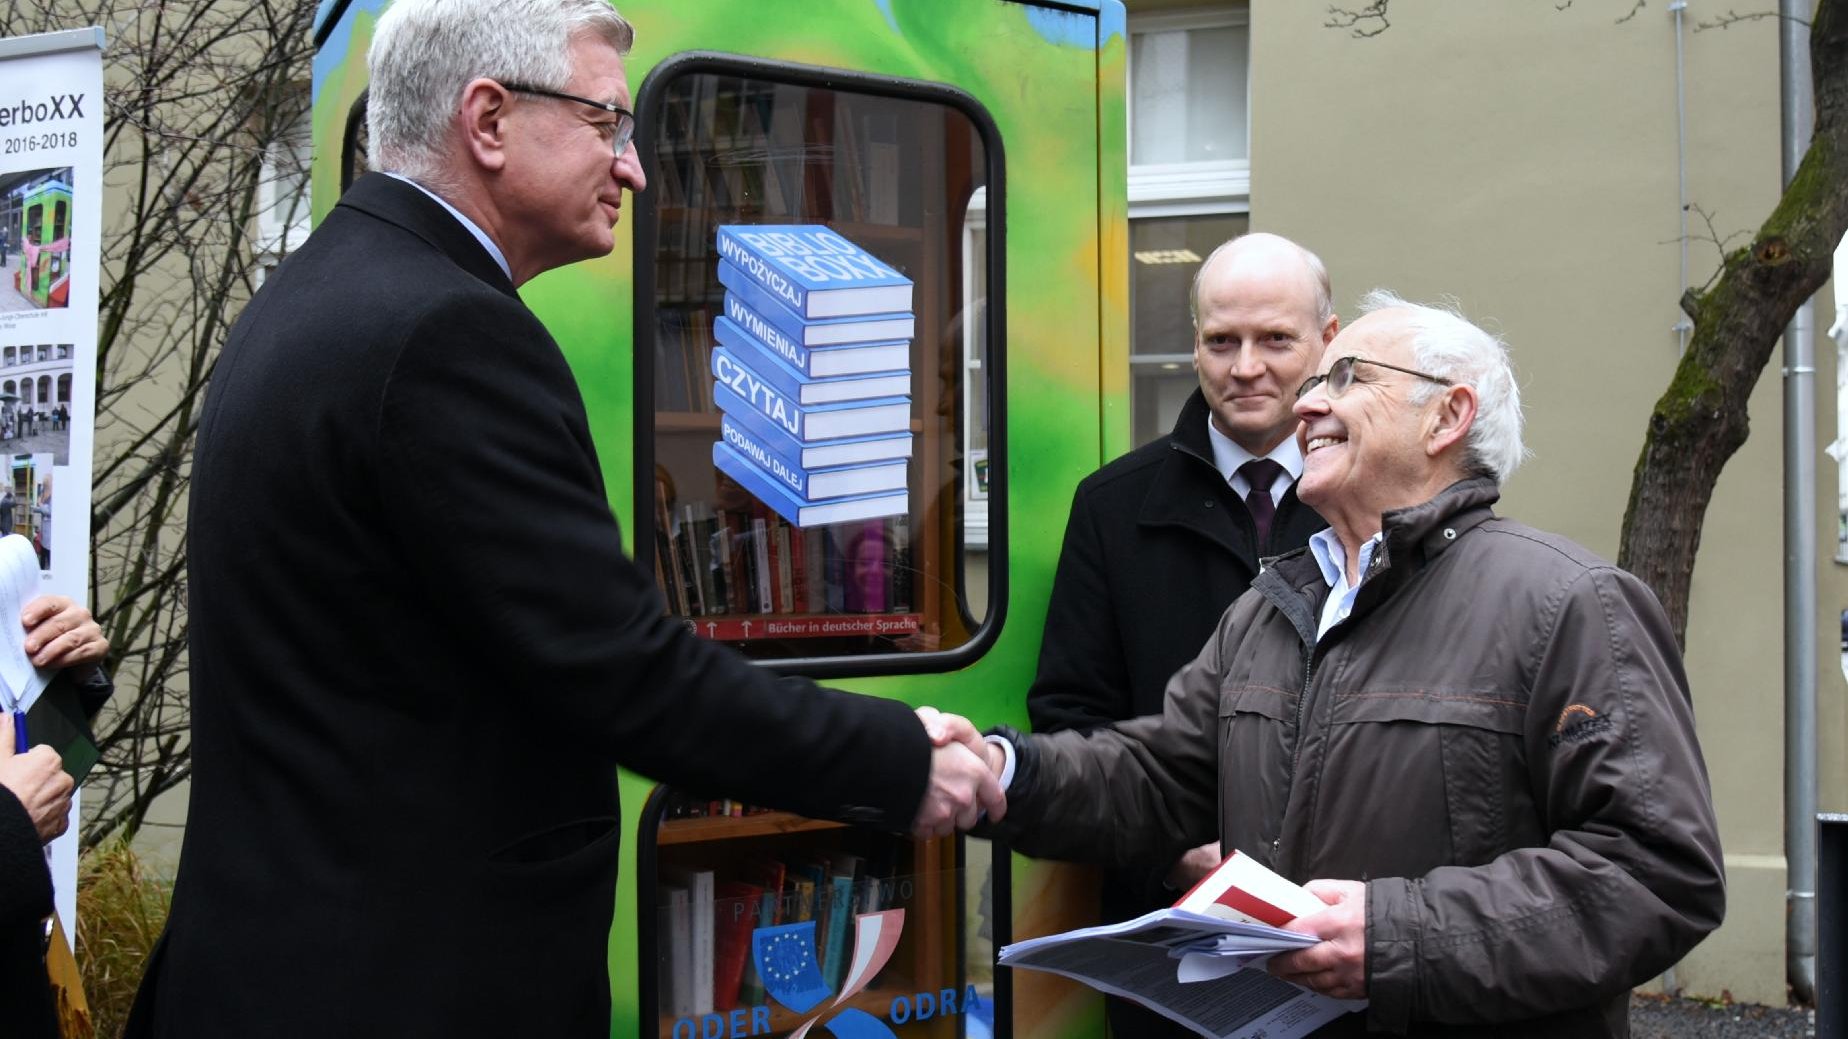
point(51, 190)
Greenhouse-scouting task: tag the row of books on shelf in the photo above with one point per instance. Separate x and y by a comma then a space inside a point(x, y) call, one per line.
point(707, 918)
point(743, 561)
point(757, 151)
point(814, 349)
point(686, 806)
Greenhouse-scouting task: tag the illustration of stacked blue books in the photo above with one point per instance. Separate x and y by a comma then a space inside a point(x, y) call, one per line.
point(812, 372)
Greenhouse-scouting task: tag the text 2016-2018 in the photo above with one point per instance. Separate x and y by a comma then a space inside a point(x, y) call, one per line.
point(38, 142)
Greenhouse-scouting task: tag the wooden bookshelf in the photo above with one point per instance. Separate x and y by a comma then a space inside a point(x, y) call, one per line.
point(895, 178)
point(919, 877)
point(752, 627)
point(735, 827)
point(875, 1000)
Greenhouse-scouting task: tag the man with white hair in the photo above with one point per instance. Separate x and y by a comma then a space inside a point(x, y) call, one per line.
point(418, 650)
point(1479, 730)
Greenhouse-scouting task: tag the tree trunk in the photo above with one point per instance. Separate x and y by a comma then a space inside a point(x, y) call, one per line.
point(1702, 418)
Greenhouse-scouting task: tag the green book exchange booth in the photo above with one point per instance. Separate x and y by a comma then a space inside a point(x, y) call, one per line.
point(971, 152)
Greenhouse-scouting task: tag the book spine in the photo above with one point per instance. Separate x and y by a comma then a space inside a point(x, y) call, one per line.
point(785, 568)
point(737, 571)
point(868, 561)
point(689, 563)
point(733, 247)
point(680, 950)
point(703, 924)
point(760, 317)
point(759, 394)
point(770, 455)
point(834, 569)
point(798, 568)
point(711, 577)
point(778, 602)
point(773, 465)
point(737, 412)
point(667, 555)
point(751, 986)
point(737, 914)
point(814, 555)
point(760, 542)
point(840, 915)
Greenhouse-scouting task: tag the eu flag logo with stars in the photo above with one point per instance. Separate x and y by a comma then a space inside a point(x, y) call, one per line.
point(791, 972)
point(787, 962)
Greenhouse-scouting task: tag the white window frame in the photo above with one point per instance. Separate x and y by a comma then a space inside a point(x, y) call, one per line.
point(1186, 188)
point(975, 510)
point(276, 238)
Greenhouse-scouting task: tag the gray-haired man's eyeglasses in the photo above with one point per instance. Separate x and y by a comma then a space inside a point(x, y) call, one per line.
point(1340, 376)
point(620, 132)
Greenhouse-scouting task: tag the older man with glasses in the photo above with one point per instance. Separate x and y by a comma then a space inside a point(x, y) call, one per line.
point(1471, 738)
point(418, 649)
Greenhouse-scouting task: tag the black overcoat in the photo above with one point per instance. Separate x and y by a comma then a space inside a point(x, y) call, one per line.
point(418, 652)
point(1157, 547)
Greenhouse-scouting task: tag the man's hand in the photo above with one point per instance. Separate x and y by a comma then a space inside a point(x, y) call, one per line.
point(945, 729)
point(1337, 965)
point(37, 780)
point(961, 790)
point(1193, 867)
point(60, 633)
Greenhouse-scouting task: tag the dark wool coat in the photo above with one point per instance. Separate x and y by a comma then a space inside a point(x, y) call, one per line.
point(25, 901)
point(26, 896)
point(418, 654)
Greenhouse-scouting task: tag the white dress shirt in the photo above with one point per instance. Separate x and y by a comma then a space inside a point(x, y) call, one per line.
point(1228, 457)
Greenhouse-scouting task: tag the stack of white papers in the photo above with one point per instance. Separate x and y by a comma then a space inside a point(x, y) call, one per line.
point(1190, 965)
point(20, 581)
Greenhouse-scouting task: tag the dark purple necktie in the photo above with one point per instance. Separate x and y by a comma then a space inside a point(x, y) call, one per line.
point(1260, 473)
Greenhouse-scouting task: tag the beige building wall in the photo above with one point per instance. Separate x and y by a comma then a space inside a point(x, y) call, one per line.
point(1523, 159)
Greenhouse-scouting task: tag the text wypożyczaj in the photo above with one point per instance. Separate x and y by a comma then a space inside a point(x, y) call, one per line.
point(813, 375)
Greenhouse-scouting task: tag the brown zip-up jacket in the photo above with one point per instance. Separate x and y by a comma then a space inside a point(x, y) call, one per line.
point(1497, 740)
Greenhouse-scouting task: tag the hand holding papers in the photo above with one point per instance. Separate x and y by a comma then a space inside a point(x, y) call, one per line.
point(57, 633)
point(1188, 963)
point(35, 778)
point(20, 682)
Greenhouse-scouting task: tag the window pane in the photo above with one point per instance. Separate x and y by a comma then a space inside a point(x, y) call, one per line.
point(1188, 90)
point(1165, 253)
point(835, 527)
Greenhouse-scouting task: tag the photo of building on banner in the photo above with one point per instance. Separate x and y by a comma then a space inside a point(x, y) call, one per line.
point(35, 239)
point(51, 188)
point(812, 374)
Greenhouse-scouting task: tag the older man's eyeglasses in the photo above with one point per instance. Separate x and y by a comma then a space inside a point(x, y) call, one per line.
point(1340, 376)
point(619, 133)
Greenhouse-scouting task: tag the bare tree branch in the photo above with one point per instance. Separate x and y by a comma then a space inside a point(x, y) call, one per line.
point(1720, 243)
point(1732, 18)
point(1370, 21)
point(1372, 17)
point(198, 96)
point(1701, 420)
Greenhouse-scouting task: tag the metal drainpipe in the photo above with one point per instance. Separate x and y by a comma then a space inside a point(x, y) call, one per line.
point(1670, 979)
point(1684, 327)
point(1799, 112)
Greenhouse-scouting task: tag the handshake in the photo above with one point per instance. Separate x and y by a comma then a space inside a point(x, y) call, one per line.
point(964, 784)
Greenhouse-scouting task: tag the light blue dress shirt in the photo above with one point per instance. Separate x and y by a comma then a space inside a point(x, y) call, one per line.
point(480, 235)
point(1332, 558)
